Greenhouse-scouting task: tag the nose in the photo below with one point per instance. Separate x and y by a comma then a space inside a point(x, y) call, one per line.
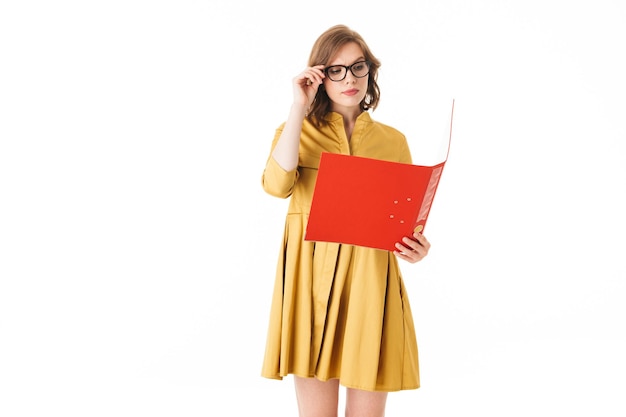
point(350, 78)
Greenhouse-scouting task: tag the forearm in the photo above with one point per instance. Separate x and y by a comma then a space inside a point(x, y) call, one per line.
point(286, 150)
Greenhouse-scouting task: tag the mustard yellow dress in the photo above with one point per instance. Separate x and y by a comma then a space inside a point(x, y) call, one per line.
point(338, 311)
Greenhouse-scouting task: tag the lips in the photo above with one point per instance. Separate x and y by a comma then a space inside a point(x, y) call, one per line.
point(351, 92)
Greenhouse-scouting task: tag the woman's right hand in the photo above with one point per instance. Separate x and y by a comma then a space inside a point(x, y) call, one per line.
point(306, 83)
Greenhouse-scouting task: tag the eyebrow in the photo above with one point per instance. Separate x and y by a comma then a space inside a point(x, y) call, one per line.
point(362, 58)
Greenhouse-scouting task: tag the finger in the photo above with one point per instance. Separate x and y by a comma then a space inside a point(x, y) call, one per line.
point(313, 79)
point(406, 250)
point(402, 248)
point(315, 74)
point(310, 79)
point(402, 256)
point(411, 244)
point(318, 69)
point(409, 256)
point(421, 239)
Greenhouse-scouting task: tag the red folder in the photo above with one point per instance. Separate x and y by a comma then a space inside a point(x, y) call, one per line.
point(370, 202)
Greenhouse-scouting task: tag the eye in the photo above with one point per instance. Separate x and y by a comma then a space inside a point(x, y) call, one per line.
point(334, 70)
point(359, 66)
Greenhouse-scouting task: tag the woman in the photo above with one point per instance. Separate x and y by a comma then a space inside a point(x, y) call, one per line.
point(340, 314)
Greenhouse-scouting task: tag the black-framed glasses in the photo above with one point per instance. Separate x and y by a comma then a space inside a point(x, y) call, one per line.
point(338, 72)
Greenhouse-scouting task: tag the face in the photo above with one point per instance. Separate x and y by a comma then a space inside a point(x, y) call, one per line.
point(349, 92)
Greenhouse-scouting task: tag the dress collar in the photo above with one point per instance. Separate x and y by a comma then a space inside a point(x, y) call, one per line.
point(333, 117)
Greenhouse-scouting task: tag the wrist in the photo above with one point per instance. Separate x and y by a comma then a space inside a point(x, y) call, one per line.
point(299, 109)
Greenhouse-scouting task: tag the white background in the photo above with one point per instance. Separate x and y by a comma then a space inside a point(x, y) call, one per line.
point(138, 250)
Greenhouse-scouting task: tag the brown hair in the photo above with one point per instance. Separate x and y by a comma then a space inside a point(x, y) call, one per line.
point(325, 47)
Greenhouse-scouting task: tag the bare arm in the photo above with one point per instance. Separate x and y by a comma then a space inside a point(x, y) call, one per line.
point(305, 87)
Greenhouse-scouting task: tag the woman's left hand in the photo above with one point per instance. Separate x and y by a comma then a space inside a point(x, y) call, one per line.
point(413, 250)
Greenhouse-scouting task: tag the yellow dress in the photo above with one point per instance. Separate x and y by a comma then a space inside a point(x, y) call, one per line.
point(338, 311)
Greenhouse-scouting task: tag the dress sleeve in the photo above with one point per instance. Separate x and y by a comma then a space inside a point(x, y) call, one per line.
point(275, 180)
point(278, 182)
point(405, 152)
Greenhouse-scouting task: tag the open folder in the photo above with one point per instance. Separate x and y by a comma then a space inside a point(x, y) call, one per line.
point(370, 202)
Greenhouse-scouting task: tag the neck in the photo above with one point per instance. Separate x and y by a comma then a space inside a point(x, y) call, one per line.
point(349, 114)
